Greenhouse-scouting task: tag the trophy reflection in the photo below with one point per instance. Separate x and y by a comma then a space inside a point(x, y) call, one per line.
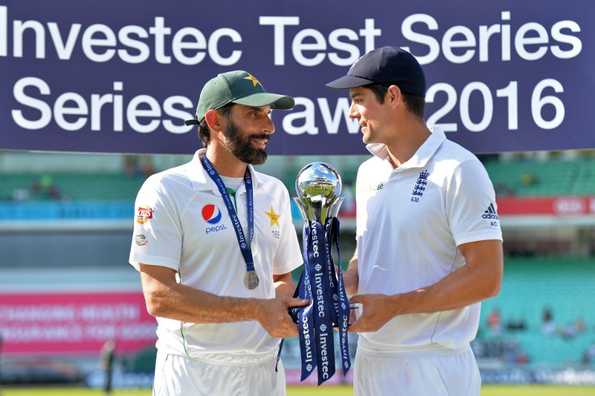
point(318, 187)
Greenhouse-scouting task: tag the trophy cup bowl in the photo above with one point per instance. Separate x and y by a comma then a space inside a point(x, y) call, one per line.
point(318, 186)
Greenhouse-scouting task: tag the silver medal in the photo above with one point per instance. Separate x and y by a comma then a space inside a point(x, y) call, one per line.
point(251, 280)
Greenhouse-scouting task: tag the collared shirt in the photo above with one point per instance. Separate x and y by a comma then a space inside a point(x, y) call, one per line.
point(182, 223)
point(410, 221)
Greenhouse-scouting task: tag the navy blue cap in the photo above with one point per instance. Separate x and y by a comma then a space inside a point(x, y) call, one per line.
point(385, 65)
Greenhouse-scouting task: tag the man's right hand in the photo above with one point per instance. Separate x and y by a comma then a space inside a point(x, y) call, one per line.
point(273, 315)
point(351, 278)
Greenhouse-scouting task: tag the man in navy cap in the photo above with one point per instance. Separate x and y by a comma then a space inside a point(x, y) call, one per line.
point(429, 243)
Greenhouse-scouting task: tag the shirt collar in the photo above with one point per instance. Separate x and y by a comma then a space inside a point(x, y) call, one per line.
point(202, 181)
point(421, 156)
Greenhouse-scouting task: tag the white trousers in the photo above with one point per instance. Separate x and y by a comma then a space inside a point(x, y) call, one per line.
point(423, 373)
point(223, 375)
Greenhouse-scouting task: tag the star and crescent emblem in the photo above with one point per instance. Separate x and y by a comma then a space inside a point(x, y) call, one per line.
point(273, 217)
point(252, 79)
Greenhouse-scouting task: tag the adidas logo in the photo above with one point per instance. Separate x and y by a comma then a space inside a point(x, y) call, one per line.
point(490, 213)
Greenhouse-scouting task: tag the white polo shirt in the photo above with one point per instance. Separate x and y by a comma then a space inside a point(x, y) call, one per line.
point(410, 221)
point(182, 223)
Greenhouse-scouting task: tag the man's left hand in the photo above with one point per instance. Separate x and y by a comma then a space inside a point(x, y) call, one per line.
point(377, 309)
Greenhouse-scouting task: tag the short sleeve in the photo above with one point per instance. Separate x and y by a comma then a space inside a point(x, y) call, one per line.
point(289, 255)
point(471, 204)
point(360, 202)
point(157, 235)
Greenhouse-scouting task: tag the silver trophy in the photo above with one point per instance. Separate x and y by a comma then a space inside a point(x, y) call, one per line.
point(318, 187)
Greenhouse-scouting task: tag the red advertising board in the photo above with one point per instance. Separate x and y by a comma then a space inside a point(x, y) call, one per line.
point(530, 206)
point(552, 206)
point(77, 323)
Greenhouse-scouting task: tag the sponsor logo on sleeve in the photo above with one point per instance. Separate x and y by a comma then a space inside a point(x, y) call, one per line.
point(491, 214)
point(144, 214)
point(140, 240)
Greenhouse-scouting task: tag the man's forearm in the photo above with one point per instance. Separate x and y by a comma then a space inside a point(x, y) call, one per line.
point(284, 285)
point(465, 286)
point(187, 304)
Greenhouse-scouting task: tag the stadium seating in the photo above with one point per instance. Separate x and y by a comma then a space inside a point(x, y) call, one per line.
point(564, 284)
point(548, 178)
point(519, 177)
point(74, 186)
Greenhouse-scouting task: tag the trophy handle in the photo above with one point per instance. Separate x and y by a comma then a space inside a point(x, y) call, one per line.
point(334, 208)
point(300, 206)
point(320, 212)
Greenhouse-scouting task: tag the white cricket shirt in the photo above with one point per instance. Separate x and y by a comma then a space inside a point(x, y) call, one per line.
point(182, 223)
point(410, 221)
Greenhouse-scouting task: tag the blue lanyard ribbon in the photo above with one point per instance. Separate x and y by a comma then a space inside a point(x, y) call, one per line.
point(341, 302)
point(245, 246)
point(329, 307)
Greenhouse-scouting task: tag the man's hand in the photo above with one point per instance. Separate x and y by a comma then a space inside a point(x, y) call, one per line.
point(284, 285)
point(377, 310)
point(351, 278)
point(273, 315)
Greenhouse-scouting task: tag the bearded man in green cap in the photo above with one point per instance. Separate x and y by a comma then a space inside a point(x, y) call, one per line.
point(215, 245)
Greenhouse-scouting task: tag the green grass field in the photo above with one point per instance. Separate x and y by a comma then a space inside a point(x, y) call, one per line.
point(322, 391)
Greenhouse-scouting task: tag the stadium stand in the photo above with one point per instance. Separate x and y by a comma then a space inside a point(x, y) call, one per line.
point(564, 285)
point(71, 186)
point(519, 178)
point(538, 178)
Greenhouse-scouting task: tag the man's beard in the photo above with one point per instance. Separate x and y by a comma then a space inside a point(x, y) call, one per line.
point(242, 147)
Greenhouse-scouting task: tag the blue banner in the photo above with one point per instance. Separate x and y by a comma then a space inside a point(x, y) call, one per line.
point(121, 76)
point(50, 211)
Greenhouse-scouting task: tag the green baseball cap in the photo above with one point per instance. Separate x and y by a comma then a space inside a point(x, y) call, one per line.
point(239, 87)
